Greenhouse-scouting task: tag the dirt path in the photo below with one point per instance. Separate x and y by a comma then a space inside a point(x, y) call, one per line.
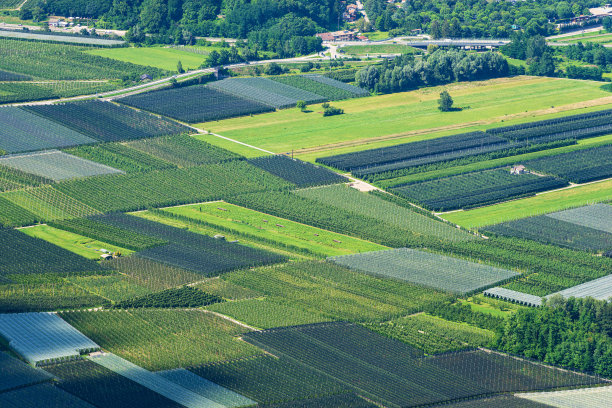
point(351, 143)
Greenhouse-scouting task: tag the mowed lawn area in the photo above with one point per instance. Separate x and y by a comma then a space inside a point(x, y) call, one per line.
point(159, 57)
point(539, 204)
point(410, 116)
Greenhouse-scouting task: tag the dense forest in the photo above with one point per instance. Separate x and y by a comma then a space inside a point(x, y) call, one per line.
point(474, 18)
point(574, 333)
point(286, 27)
point(440, 67)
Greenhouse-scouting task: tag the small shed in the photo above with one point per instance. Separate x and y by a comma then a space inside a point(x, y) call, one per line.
point(106, 257)
point(520, 169)
point(146, 77)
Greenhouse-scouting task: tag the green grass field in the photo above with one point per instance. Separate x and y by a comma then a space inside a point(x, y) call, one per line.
point(377, 35)
point(539, 204)
point(159, 57)
point(409, 116)
point(86, 247)
point(277, 229)
point(601, 37)
point(379, 49)
point(246, 151)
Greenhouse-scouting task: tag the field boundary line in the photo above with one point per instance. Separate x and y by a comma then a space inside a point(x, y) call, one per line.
point(231, 319)
point(238, 142)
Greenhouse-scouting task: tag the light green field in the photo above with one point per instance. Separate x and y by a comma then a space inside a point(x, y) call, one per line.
point(377, 35)
point(112, 287)
point(540, 204)
point(378, 49)
point(80, 245)
point(487, 164)
point(277, 229)
point(159, 57)
point(408, 116)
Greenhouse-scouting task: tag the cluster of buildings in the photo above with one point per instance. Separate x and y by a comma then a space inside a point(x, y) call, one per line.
point(597, 14)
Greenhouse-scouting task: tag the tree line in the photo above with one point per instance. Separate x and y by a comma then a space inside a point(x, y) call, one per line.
point(440, 67)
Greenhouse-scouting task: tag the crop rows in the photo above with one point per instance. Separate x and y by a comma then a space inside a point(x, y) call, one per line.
point(108, 122)
point(579, 166)
point(549, 230)
point(183, 150)
point(79, 40)
point(11, 92)
point(16, 373)
point(10, 76)
point(328, 80)
point(427, 269)
point(266, 91)
point(478, 188)
point(336, 292)
point(600, 289)
point(110, 234)
point(12, 215)
point(46, 60)
point(158, 339)
point(395, 215)
point(105, 389)
point(56, 165)
point(23, 131)
point(597, 216)
point(308, 84)
point(195, 104)
point(550, 122)
point(171, 186)
point(40, 395)
point(48, 204)
point(412, 151)
point(584, 397)
point(120, 157)
point(196, 252)
point(296, 171)
point(205, 388)
point(178, 297)
point(23, 254)
point(13, 179)
point(270, 380)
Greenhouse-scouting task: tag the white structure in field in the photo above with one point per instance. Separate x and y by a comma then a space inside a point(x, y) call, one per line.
point(44, 338)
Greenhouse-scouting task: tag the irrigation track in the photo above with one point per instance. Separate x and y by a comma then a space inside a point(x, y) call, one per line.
point(352, 143)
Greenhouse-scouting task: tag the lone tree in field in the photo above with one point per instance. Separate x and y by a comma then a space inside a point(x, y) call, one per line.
point(301, 105)
point(445, 102)
point(179, 67)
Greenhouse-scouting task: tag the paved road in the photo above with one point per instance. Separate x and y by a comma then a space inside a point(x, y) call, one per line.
point(575, 32)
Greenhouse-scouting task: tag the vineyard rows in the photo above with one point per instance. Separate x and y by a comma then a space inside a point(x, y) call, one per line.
point(12, 92)
point(56, 165)
point(154, 382)
point(15, 373)
point(195, 104)
point(328, 80)
point(584, 397)
point(205, 388)
point(23, 131)
point(41, 395)
point(412, 151)
point(183, 150)
point(12, 215)
point(10, 76)
point(22, 254)
point(597, 216)
point(47, 60)
point(427, 269)
point(121, 157)
point(103, 388)
point(110, 234)
point(265, 91)
point(580, 166)
point(108, 122)
point(163, 339)
point(79, 40)
point(43, 338)
point(478, 188)
point(326, 91)
point(295, 171)
point(549, 230)
point(171, 186)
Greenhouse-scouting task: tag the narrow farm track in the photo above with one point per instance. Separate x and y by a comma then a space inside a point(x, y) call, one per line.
point(352, 143)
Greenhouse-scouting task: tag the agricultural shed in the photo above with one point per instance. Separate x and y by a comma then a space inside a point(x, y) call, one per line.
point(514, 296)
point(44, 338)
point(600, 289)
